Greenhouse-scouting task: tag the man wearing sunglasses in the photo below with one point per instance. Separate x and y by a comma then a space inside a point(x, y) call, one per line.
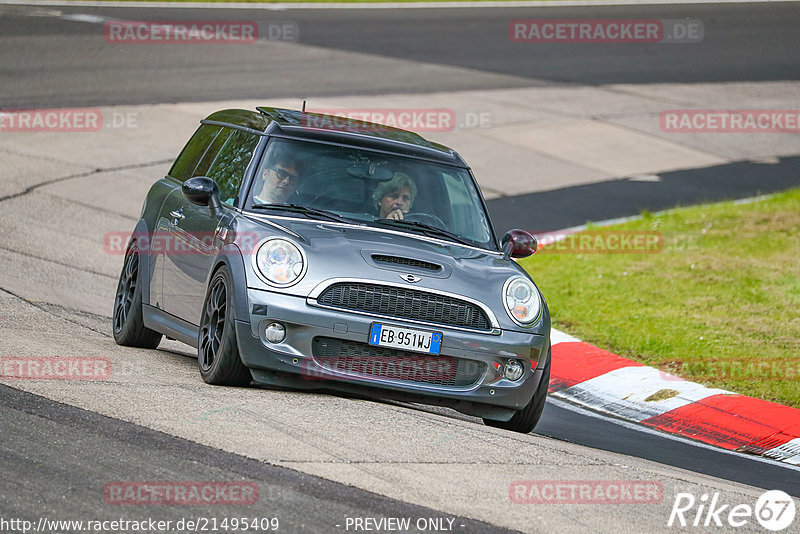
point(280, 180)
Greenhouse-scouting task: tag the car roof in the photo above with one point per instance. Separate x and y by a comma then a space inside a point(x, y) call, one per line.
point(330, 128)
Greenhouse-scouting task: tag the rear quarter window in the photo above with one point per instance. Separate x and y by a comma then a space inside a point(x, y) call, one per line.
point(193, 152)
point(231, 163)
point(213, 149)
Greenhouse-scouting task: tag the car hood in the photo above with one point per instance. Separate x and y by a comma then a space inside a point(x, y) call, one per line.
point(341, 251)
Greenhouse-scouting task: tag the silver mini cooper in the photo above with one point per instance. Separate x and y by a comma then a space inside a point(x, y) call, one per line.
point(310, 251)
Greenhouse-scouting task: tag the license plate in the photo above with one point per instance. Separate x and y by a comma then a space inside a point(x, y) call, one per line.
point(382, 335)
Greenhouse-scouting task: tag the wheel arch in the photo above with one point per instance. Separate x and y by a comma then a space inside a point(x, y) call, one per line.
point(230, 256)
point(145, 265)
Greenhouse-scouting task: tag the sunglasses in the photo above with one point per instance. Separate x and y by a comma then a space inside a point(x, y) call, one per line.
point(283, 175)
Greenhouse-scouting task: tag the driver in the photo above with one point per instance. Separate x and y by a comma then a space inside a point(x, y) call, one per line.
point(280, 179)
point(394, 197)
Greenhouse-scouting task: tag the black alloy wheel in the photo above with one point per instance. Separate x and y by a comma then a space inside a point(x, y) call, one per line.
point(217, 350)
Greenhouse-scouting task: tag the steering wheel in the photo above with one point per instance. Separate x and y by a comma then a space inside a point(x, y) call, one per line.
point(327, 193)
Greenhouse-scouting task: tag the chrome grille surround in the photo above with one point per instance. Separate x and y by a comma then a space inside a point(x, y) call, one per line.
point(416, 305)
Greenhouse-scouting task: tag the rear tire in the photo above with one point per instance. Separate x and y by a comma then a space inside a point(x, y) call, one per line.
point(217, 350)
point(128, 326)
point(527, 418)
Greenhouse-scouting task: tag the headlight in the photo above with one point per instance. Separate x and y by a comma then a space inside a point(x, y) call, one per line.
point(280, 261)
point(522, 301)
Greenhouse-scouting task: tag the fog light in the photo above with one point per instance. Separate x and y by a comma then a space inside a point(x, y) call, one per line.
point(513, 370)
point(275, 332)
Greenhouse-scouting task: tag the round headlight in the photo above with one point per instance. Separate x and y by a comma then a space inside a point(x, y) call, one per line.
point(280, 261)
point(522, 301)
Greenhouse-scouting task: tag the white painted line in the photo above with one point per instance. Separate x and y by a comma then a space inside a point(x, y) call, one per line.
point(82, 17)
point(788, 452)
point(624, 392)
point(653, 178)
point(566, 405)
point(752, 199)
point(386, 5)
point(557, 336)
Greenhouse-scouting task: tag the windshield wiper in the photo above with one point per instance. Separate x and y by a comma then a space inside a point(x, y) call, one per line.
point(305, 210)
point(426, 229)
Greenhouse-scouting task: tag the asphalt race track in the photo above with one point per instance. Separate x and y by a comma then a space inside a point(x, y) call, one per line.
point(86, 440)
point(319, 459)
point(51, 60)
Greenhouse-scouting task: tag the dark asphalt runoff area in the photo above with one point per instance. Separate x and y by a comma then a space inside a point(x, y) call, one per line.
point(577, 205)
point(56, 459)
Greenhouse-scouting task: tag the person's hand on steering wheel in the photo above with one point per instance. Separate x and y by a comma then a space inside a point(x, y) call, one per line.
point(396, 214)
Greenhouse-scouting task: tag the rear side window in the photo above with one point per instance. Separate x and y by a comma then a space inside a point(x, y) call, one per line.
point(231, 162)
point(193, 152)
point(211, 153)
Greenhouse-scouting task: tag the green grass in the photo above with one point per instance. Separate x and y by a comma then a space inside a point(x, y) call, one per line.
point(719, 304)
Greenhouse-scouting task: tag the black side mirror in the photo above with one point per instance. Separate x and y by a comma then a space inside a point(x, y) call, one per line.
point(519, 244)
point(202, 191)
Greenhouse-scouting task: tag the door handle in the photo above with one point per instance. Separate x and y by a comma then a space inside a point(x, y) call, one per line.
point(176, 216)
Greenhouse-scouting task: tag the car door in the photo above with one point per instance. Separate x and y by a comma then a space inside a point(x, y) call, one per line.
point(182, 169)
point(198, 233)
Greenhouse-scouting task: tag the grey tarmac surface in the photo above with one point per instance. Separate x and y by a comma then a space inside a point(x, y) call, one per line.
point(60, 62)
point(456, 467)
point(58, 461)
point(62, 192)
point(56, 292)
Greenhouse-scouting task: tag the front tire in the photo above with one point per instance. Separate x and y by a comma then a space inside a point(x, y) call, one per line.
point(217, 350)
point(129, 328)
point(527, 418)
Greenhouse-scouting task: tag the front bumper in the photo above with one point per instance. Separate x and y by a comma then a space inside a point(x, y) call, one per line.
point(292, 362)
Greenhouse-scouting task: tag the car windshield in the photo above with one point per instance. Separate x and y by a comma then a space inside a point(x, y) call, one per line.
point(332, 182)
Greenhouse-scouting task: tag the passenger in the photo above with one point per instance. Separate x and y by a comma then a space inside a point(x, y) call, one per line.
point(394, 197)
point(280, 180)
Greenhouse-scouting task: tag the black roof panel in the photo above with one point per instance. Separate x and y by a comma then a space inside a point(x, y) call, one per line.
point(343, 130)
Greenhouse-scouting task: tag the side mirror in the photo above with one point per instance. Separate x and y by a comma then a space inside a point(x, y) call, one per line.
point(202, 191)
point(519, 244)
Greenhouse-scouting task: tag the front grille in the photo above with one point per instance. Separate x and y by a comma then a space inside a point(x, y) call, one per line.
point(362, 360)
point(405, 303)
point(406, 262)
